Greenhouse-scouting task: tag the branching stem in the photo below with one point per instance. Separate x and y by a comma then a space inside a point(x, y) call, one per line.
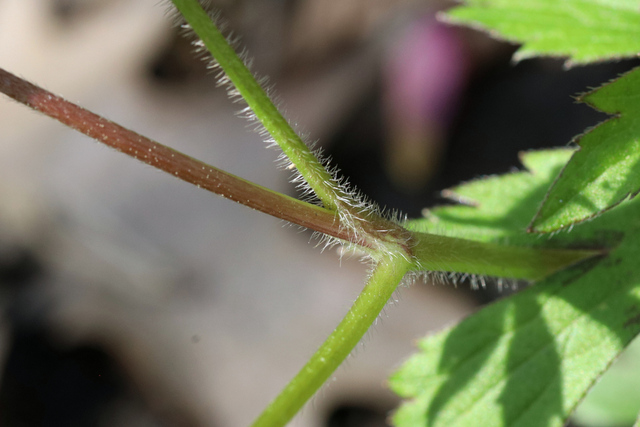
point(395, 249)
point(377, 235)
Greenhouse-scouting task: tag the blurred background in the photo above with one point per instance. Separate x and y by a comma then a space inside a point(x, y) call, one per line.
point(129, 298)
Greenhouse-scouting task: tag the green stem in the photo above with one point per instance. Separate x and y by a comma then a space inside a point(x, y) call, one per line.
point(444, 253)
point(337, 347)
point(257, 99)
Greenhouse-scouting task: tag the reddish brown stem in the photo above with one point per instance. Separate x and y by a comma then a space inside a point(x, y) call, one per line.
point(173, 162)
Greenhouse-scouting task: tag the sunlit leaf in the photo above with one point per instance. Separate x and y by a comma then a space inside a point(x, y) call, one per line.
point(529, 359)
point(606, 168)
point(582, 30)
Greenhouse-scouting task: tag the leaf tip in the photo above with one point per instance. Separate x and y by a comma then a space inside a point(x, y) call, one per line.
point(451, 194)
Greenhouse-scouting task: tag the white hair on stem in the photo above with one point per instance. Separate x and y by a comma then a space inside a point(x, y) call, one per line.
point(359, 217)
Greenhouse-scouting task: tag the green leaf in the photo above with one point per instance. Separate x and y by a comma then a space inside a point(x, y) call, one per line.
point(489, 239)
point(582, 30)
point(529, 359)
point(606, 168)
point(497, 209)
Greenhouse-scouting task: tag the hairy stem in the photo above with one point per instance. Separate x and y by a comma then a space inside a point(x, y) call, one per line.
point(441, 253)
point(257, 99)
point(174, 162)
point(336, 348)
point(379, 236)
point(396, 249)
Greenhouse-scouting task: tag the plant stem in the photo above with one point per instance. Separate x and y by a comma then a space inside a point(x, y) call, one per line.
point(257, 99)
point(428, 251)
point(451, 254)
point(174, 162)
point(339, 344)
